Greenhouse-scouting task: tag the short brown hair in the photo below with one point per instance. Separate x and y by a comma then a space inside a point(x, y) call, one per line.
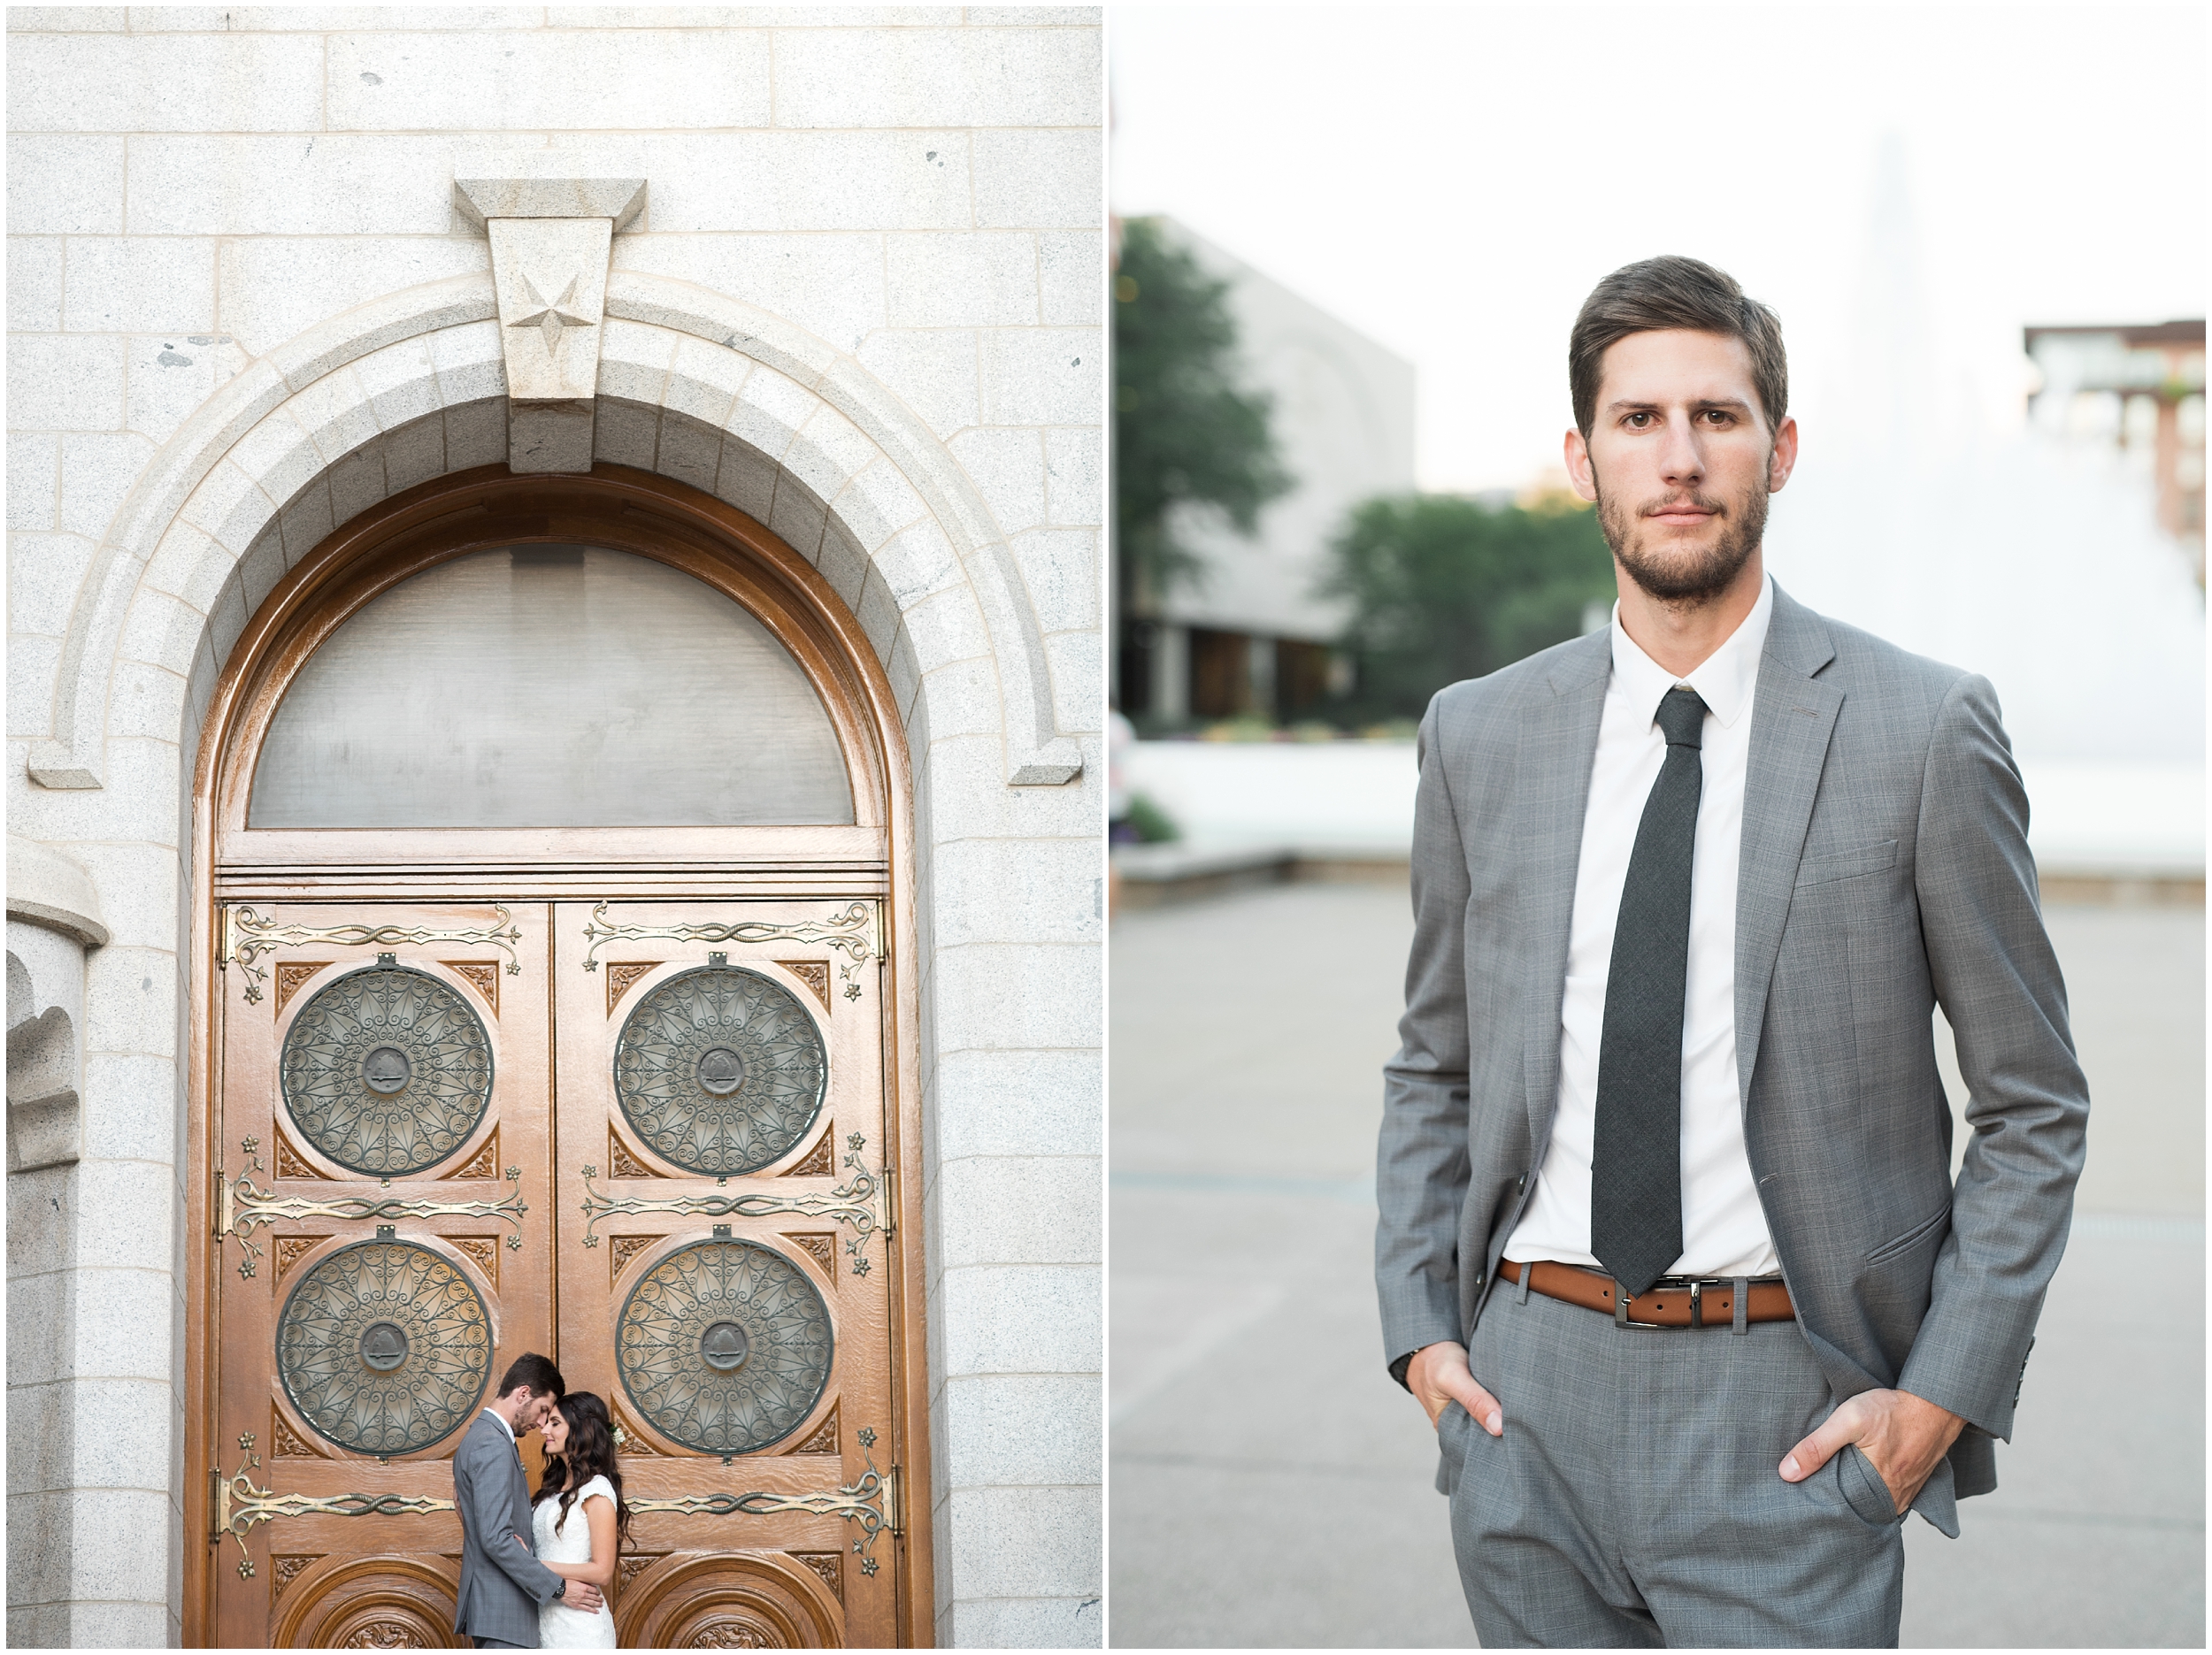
point(1674, 292)
point(531, 1369)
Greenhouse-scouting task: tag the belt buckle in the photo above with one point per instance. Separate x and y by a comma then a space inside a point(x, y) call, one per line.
point(1620, 1313)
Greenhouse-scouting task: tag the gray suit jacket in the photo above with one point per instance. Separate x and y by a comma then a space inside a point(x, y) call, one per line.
point(1885, 869)
point(502, 1581)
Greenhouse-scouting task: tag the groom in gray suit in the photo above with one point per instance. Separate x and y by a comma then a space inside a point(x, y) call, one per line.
point(502, 1581)
point(1670, 1249)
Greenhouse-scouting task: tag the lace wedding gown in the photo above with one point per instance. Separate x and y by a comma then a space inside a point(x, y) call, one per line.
point(559, 1627)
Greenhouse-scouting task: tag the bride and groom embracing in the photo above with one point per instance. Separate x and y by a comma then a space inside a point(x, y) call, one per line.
point(534, 1571)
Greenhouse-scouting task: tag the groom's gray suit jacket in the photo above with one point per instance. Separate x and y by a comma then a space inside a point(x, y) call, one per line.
point(502, 1581)
point(1884, 871)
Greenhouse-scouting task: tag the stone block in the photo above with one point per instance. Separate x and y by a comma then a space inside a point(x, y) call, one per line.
point(1021, 1319)
point(919, 562)
point(356, 482)
point(1021, 1622)
point(307, 519)
point(1018, 1103)
point(130, 1001)
point(334, 411)
point(225, 622)
point(129, 1105)
point(1014, 1429)
point(879, 614)
point(769, 410)
point(64, 186)
point(548, 186)
point(276, 287)
point(139, 284)
point(134, 1199)
point(831, 284)
point(806, 182)
point(415, 453)
point(967, 804)
point(1022, 995)
point(121, 1625)
point(1020, 1210)
point(263, 566)
point(278, 457)
point(964, 77)
point(114, 1447)
point(934, 373)
point(108, 1554)
point(1039, 181)
point(138, 800)
point(34, 666)
point(970, 279)
point(962, 697)
point(534, 79)
point(146, 83)
point(797, 518)
point(1025, 1542)
point(905, 674)
point(34, 284)
point(1075, 479)
point(877, 504)
point(625, 433)
point(704, 379)
point(758, 17)
point(137, 886)
point(160, 630)
point(948, 628)
point(314, 18)
point(23, 19)
point(551, 275)
point(34, 480)
point(843, 565)
point(827, 452)
point(98, 471)
point(470, 362)
point(65, 382)
point(1042, 376)
point(747, 478)
point(145, 701)
point(43, 574)
point(475, 434)
point(401, 382)
point(1071, 272)
point(1020, 891)
point(189, 566)
point(229, 508)
point(689, 452)
point(1007, 463)
point(1078, 679)
point(322, 183)
point(168, 378)
point(634, 361)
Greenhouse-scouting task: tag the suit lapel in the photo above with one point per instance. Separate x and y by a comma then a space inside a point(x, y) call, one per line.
point(1559, 741)
point(1792, 718)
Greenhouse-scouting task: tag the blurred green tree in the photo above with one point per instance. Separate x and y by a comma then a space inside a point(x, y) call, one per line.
point(1185, 432)
point(1442, 588)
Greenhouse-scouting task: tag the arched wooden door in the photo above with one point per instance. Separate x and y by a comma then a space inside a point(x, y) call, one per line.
point(553, 836)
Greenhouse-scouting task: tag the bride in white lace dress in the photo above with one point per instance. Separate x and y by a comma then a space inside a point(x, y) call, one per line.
point(579, 1517)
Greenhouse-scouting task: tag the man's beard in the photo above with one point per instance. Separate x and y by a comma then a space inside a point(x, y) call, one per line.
point(1691, 577)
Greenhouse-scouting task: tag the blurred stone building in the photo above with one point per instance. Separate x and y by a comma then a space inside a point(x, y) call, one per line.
point(1252, 637)
point(553, 796)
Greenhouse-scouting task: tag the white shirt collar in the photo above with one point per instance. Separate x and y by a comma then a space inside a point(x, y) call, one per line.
point(504, 1425)
point(1724, 680)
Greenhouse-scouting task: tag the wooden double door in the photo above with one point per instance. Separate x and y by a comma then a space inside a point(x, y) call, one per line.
point(651, 1139)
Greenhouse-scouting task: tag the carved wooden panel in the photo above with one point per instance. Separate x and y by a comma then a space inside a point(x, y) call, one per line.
point(822, 1439)
point(481, 1251)
point(290, 1250)
point(622, 1164)
point(830, 1565)
point(622, 1249)
point(628, 1440)
point(482, 974)
point(284, 1570)
point(290, 1163)
point(818, 1163)
point(814, 974)
point(822, 1249)
point(484, 1163)
point(621, 976)
point(287, 1443)
point(290, 974)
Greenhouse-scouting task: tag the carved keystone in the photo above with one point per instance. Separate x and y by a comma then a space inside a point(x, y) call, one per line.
point(551, 231)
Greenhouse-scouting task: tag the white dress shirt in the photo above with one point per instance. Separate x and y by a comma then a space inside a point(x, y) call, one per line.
point(1723, 1229)
point(503, 1426)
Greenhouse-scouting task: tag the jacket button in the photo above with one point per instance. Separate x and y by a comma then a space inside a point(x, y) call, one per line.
point(1478, 1278)
point(1521, 1183)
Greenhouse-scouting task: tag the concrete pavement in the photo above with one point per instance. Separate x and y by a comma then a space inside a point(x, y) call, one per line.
point(1269, 1485)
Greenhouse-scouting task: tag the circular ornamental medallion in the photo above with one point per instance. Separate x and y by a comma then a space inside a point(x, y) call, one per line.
point(723, 1346)
point(386, 1071)
point(720, 1071)
point(384, 1347)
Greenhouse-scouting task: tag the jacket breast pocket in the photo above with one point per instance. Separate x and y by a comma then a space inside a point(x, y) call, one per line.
point(1897, 1245)
point(1846, 864)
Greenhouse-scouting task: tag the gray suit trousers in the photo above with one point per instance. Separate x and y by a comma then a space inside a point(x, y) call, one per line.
point(1634, 1500)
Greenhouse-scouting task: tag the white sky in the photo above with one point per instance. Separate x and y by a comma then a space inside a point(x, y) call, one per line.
point(1452, 181)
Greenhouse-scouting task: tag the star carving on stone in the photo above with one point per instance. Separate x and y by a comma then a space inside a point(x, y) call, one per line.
point(552, 315)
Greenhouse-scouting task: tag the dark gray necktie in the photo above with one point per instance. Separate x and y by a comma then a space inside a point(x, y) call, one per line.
point(1636, 1158)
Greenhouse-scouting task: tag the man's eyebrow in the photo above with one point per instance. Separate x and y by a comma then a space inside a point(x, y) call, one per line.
point(1628, 405)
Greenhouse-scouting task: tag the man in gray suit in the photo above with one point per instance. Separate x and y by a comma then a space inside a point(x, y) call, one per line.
point(502, 1581)
point(1670, 1248)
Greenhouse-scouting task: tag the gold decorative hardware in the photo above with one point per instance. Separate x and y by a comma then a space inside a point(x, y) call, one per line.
point(239, 1505)
point(241, 1204)
point(855, 932)
point(247, 936)
point(863, 1202)
point(872, 1502)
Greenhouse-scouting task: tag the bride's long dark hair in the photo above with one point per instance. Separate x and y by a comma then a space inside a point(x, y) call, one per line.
point(590, 1454)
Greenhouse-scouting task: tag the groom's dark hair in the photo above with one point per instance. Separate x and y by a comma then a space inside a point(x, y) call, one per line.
point(536, 1372)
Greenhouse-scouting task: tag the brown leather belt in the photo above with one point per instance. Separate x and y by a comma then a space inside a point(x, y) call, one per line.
point(1668, 1304)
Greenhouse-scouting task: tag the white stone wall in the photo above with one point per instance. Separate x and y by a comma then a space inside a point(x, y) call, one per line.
point(215, 218)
